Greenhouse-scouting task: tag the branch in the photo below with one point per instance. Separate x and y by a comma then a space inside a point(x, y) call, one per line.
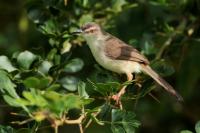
point(77, 121)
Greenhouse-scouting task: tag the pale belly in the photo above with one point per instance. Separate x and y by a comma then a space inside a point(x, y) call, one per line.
point(118, 66)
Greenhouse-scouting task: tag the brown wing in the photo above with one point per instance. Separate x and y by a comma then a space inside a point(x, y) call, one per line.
point(118, 50)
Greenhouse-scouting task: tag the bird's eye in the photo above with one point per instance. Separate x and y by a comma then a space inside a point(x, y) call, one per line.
point(92, 31)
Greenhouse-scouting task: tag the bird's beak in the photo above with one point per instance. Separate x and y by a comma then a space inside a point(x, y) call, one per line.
point(77, 32)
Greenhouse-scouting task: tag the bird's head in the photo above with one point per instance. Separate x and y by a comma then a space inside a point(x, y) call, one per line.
point(90, 30)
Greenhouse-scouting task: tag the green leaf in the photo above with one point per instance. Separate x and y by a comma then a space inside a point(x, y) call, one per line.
point(197, 127)
point(186, 131)
point(25, 59)
point(53, 87)
point(66, 47)
point(11, 101)
point(147, 44)
point(6, 129)
point(94, 118)
point(74, 65)
point(6, 85)
point(69, 82)
point(117, 115)
point(54, 42)
point(45, 82)
point(38, 83)
point(129, 123)
point(106, 110)
point(123, 121)
point(73, 101)
point(117, 5)
point(6, 64)
point(59, 103)
point(51, 54)
point(50, 27)
point(44, 67)
point(52, 95)
point(85, 3)
point(85, 19)
point(22, 102)
point(57, 59)
point(31, 82)
point(87, 101)
point(117, 128)
point(36, 14)
point(62, 102)
point(35, 99)
point(106, 88)
point(81, 90)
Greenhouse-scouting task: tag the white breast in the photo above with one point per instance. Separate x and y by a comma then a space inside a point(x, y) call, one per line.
point(118, 66)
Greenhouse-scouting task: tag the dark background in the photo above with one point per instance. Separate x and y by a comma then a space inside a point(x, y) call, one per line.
point(147, 27)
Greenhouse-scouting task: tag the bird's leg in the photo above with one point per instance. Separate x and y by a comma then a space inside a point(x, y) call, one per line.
point(117, 96)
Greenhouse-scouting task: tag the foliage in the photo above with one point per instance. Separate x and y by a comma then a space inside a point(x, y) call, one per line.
point(59, 83)
point(197, 128)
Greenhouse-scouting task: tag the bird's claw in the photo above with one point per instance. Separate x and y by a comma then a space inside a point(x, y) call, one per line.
point(117, 99)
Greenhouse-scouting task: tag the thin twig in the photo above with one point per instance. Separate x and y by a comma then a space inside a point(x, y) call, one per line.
point(17, 114)
point(164, 46)
point(77, 121)
point(81, 128)
point(65, 2)
point(156, 99)
point(22, 122)
point(90, 121)
point(56, 129)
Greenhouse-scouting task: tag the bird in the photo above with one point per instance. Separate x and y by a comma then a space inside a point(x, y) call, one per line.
point(117, 56)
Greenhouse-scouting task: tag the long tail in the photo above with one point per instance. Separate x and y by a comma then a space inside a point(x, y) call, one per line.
point(148, 70)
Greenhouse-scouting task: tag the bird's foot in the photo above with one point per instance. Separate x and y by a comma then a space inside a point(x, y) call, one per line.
point(117, 97)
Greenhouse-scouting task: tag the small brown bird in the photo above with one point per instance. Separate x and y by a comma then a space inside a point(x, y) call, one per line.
point(117, 56)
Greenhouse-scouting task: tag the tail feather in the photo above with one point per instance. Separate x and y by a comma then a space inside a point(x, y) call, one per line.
point(148, 70)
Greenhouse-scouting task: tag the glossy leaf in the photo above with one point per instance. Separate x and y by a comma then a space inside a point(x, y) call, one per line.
point(106, 88)
point(6, 129)
point(81, 90)
point(197, 127)
point(117, 128)
point(6, 64)
point(69, 82)
point(51, 54)
point(38, 83)
point(72, 101)
point(53, 87)
point(123, 121)
point(118, 4)
point(31, 82)
point(129, 123)
point(44, 67)
point(85, 19)
point(25, 59)
point(186, 131)
point(74, 65)
point(36, 14)
point(35, 99)
point(66, 47)
point(50, 28)
point(6, 85)
point(11, 101)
